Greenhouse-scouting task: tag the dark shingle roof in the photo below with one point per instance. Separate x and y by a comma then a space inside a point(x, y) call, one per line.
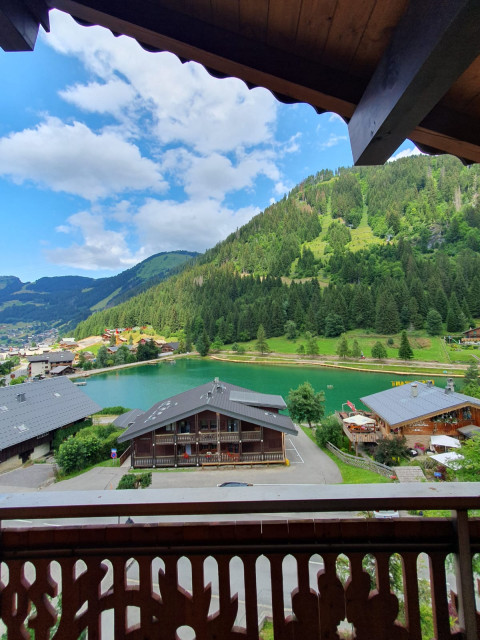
point(60, 368)
point(126, 419)
point(33, 408)
point(397, 405)
point(53, 356)
point(216, 397)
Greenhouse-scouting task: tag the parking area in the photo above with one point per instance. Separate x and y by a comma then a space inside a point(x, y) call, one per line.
point(308, 465)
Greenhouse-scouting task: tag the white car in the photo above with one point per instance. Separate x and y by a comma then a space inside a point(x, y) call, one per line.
point(386, 514)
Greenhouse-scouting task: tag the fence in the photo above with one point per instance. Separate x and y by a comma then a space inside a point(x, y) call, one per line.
point(362, 463)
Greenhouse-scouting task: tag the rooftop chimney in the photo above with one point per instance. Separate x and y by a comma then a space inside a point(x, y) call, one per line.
point(450, 386)
point(20, 397)
point(429, 383)
point(414, 389)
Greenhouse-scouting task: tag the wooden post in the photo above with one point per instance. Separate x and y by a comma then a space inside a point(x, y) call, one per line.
point(467, 616)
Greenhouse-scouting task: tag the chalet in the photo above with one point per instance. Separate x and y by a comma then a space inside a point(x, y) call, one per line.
point(61, 370)
point(472, 335)
point(42, 364)
point(169, 347)
point(418, 411)
point(213, 423)
point(31, 412)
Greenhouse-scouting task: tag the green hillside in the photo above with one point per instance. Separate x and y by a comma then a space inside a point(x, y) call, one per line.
point(67, 300)
point(373, 248)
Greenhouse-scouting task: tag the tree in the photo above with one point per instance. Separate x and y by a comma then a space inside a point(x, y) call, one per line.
point(334, 325)
point(468, 469)
point(356, 351)
point(102, 357)
point(378, 351)
point(434, 323)
point(311, 347)
point(261, 343)
point(342, 347)
point(291, 329)
point(147, 351)
point(304, 405)
point(331, 431)
point(203, 343)
point(389, 451)
point(455, 317)
point(301, 349)
point(405, 351)
point(471, 374)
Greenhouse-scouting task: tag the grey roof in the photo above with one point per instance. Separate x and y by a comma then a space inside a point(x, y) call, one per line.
point(53, 356)
point(215, 396)
point(174, 345)
point(47, 405)
point(469, 430)
point(126, 419)
point(61, 356)
point(60, 368)
point(398, 405)
point(255, 399)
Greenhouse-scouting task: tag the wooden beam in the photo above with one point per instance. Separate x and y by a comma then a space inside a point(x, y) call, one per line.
point(433, 44)
point(19, 23)
point(158, 27)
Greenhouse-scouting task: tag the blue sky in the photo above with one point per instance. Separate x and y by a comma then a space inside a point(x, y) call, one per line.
point(109, 154)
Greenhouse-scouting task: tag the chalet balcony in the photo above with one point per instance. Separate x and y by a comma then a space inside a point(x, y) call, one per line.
point(229, 436)
point(248, 436)
point(165, 438)
point(195, 563)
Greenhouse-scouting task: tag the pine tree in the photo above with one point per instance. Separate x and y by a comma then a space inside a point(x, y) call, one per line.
point(405, 351)
point(387, 319)
point(434, 323)
point(474, 297)
point(342, 347)
point(203, 343)
point(311, 347)
point(455, 317)
point(261, 343)
point(356, 351)
point(471, 374)
point(378, 351)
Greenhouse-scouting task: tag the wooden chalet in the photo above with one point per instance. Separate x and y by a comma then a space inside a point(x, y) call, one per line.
point(472, 335)
point(31, 412)
point(418, 411)
point(216, 423)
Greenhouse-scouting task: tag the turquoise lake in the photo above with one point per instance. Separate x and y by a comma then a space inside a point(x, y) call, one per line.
point(140, 387)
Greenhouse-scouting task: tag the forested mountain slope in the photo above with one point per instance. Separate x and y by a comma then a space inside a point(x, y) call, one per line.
point(65, 300)
point(379, 248)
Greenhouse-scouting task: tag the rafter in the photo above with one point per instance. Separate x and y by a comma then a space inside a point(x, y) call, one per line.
point(433, 44)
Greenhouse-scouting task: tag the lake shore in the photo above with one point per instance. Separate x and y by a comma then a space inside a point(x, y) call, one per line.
point(388, 366)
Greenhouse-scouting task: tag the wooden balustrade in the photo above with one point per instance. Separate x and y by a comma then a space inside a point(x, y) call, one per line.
point(165, 438)
point(130, 580)
point(248, 436)
point(229, 436)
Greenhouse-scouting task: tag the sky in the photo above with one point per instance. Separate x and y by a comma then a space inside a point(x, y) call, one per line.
point(110, 154)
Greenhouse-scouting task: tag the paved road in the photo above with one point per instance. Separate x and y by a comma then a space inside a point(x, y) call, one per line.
point(26, 479)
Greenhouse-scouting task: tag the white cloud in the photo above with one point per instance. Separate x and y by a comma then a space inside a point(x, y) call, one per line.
point(334, 117)
point(188, 106)
point(74, 159)
point(191, 225)
point(109, 97)
point(101, 248)
point(405, 153)
point(332, 141)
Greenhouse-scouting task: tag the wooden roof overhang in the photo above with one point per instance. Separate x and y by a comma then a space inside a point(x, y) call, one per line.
point(426, 416)
point(392, 70)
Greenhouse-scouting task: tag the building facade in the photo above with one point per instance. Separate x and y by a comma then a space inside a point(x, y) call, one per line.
point(216, 423)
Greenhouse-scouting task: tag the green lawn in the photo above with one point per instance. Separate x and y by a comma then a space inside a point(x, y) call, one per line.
point(426, 348)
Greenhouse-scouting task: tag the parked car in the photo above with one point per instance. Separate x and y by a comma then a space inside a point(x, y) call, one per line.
point(386, 514)
point(235, 484)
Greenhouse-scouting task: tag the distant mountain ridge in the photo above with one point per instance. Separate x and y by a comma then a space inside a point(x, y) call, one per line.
point(66, 300)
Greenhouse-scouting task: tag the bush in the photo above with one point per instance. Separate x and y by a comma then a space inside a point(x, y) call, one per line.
point(389, 451)
point(331, 431)
point(112, 411)
point(145, 479)
point(128, 481)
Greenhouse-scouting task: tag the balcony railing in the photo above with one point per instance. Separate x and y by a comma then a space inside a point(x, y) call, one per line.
point(159, 579)
point(251, 435)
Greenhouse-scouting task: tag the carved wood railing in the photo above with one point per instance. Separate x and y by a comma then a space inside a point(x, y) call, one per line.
point(130, 581)
point(251, 435)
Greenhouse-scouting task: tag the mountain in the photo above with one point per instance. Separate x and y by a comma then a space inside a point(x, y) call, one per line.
point(66, 300)
point(378, 248)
